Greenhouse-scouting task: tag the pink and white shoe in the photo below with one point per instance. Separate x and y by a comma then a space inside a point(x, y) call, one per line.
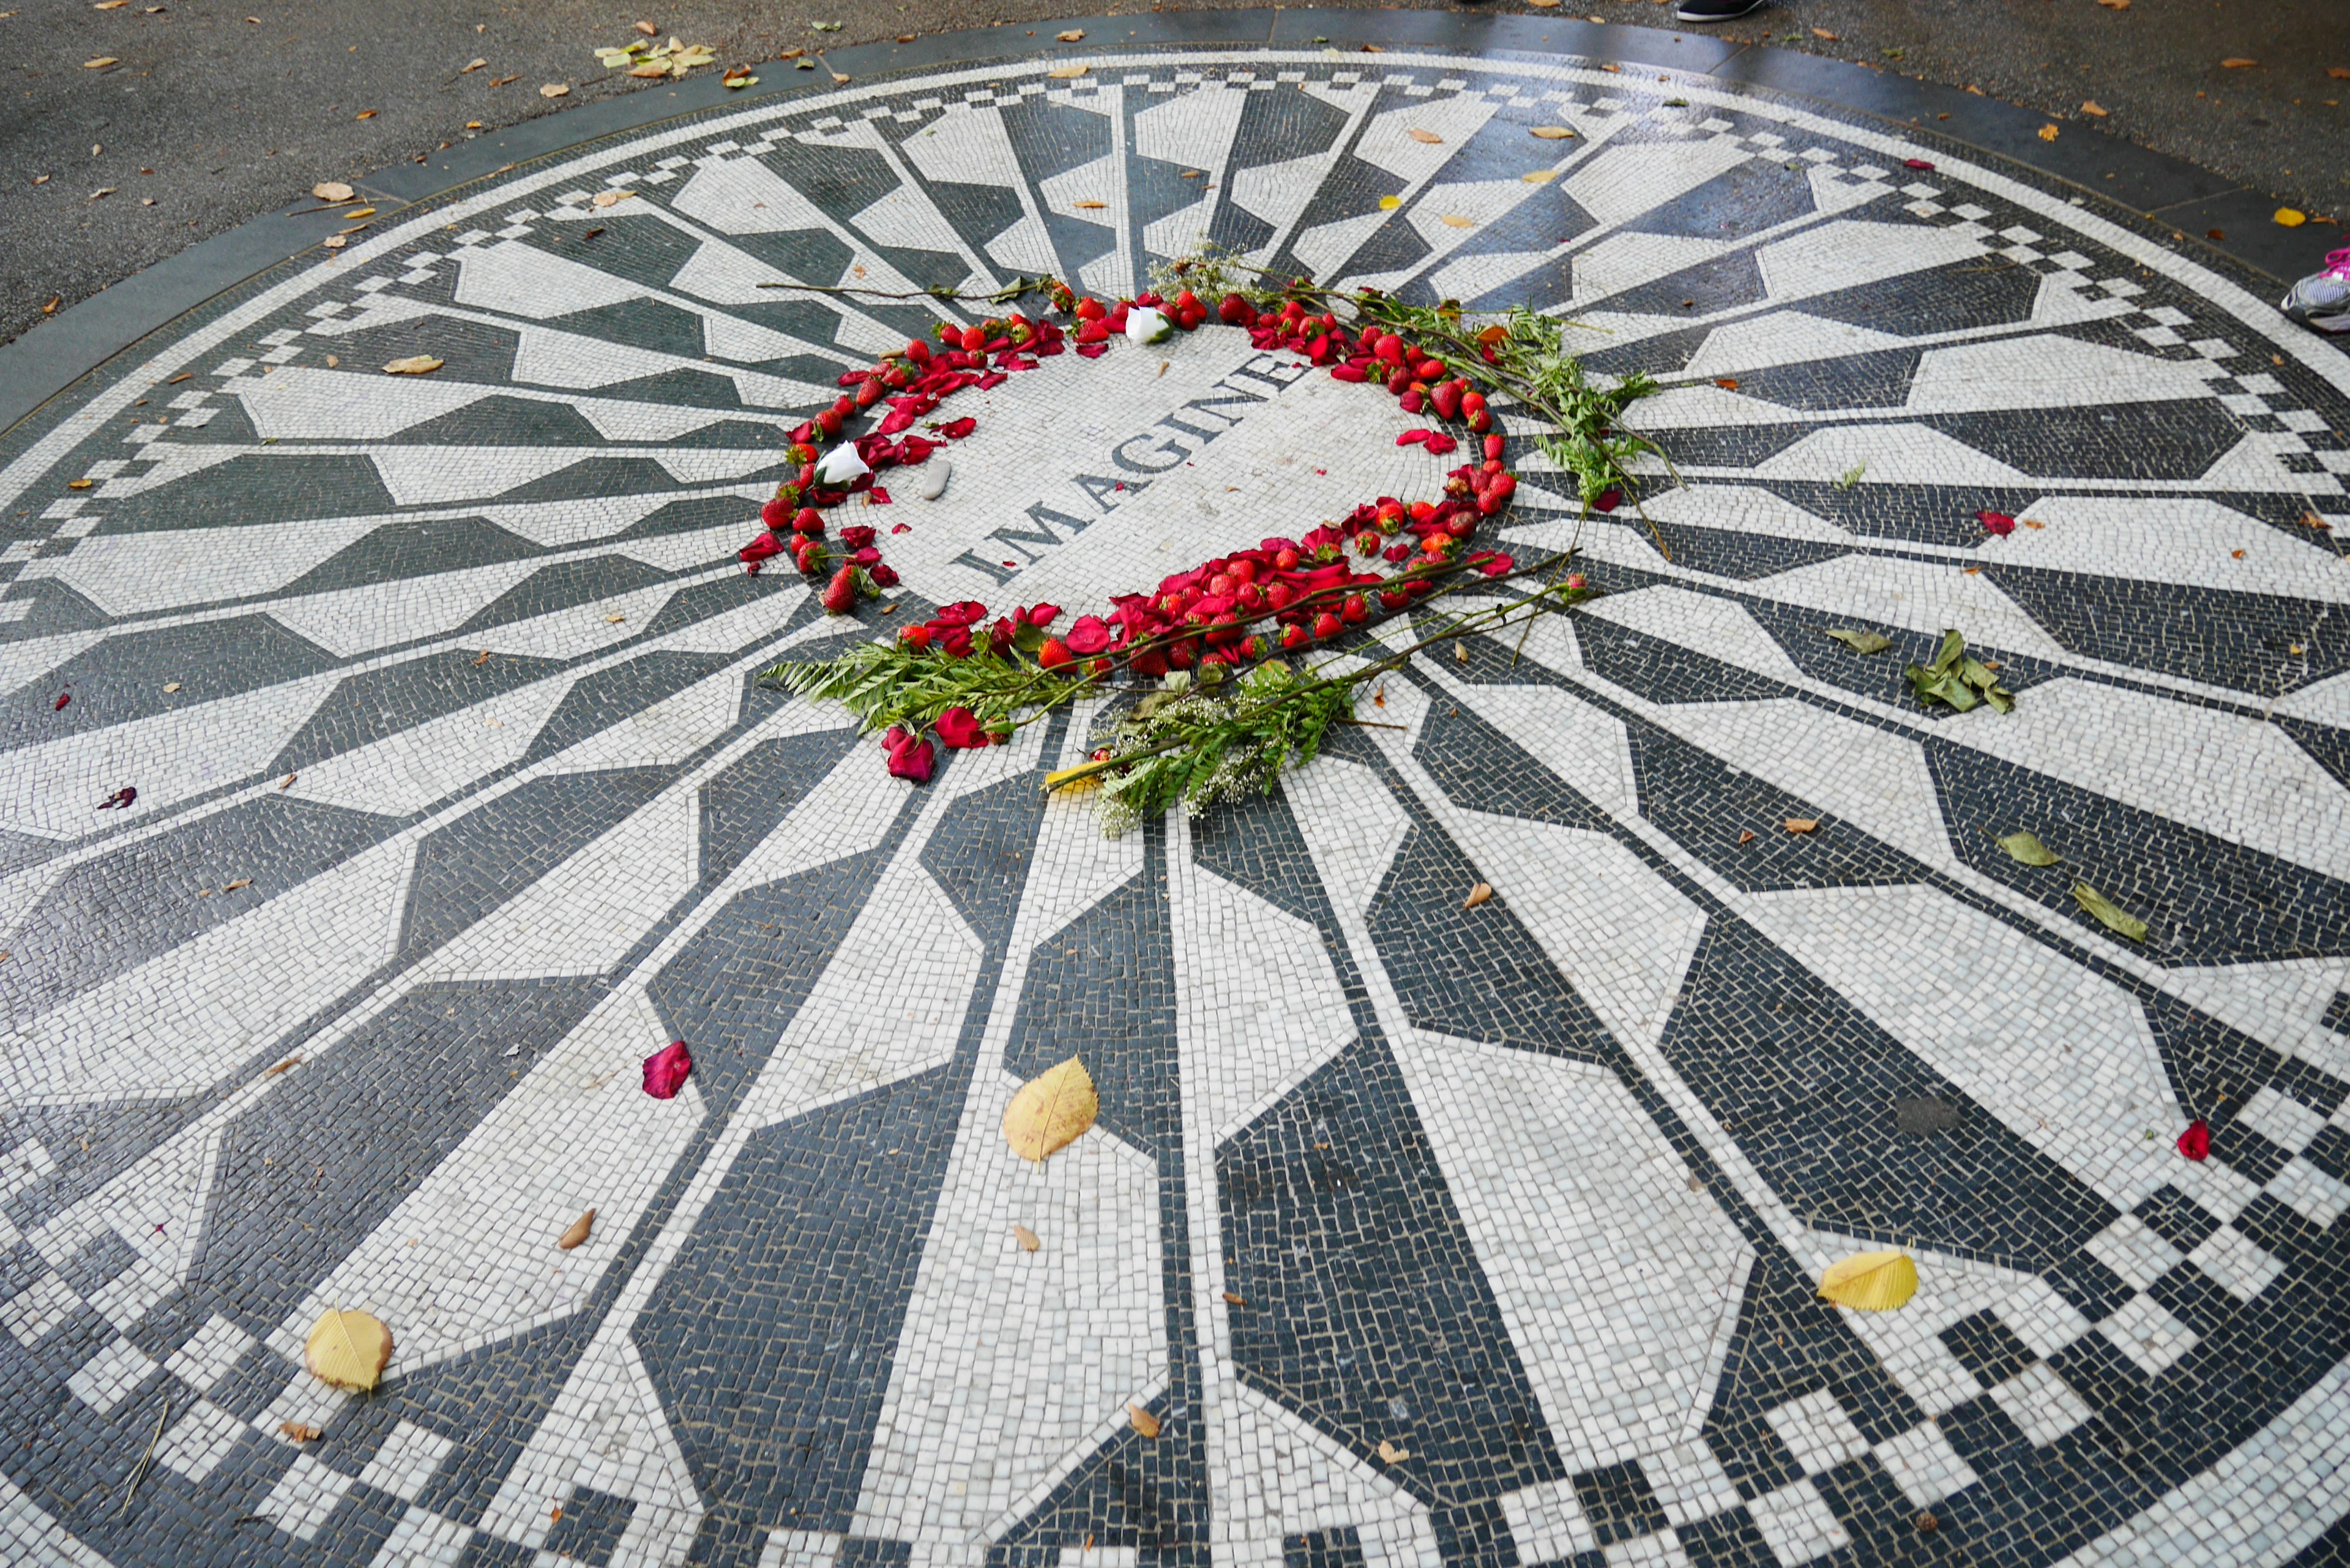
point(2321, 301)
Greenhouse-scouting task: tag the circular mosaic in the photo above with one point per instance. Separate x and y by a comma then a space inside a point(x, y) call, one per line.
point(388, 774)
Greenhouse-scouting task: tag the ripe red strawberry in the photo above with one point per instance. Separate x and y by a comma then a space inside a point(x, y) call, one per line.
point(776, 514)
point(1293, 637)
point(1326, 625)
point(1278, 595)
point(808, 521)
point(870, 390)
point(840, 594)
point(919, 352)
point(1285, 560)
point(1054, 654)
point(1367, 542)
point(1091, 309)
point(1493, 448)
point(1389, 347)
point(917, 638)
point(974, 338)
point(1447, 399)
point(828, 421)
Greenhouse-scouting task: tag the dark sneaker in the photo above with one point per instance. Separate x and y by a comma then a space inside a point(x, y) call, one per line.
point(1715, 10)
point(2321, 301)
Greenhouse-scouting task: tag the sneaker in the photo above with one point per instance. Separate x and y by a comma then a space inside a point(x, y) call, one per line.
point(2321, 301)
point(1715, 10)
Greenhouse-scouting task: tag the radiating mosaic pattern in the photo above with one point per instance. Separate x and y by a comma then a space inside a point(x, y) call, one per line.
point(1431, 1235)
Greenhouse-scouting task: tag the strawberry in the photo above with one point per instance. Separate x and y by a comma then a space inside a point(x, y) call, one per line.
point(840, 594)
point(1326, 625)
point(828, 421)
point(775, 514)
point(1352, 609)
point(1278, 595)
point(974, 338)
point(1447, 399)
point(1493, 448)
point(808, 521)
point(919, 352)
point(1429, 369)
point(809, 557)
point(1389, 347)
point(1394, 598)
point(1368, 542)
point(1293, 637)
point(1054, 654)
point(917, 638)
point(1242, 571)
point(1091, 309)
point(1399, 382)
point(1285, 560)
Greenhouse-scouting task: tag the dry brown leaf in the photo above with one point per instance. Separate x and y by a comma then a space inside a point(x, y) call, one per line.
point(1539, 176)
point(1478, 895)
point(1429, 137)
point(2339, 73)
point(109, 4)
point(1026, 1238)
point(2215, 233)
point(579, 1231)
point(1543, 5)
point(1050, 1111)
point(1232, 1300)
point(1089, 206)
point(1389, 1453)
point(501, 81)
point(336, 241)
point(791, 54)
point(101, 63)
point(2312, 520)
point(1142, 1420)
point(649, 69)
point(1491, 335)
point(300, 1431)
point(2236, 554)
point(414, 365)
point(1460, 653)
point(648, 30)
point(1824, 32)
point(1745, 836)
point(555, 89)
point(171, 686)
point(287, 1065)
point(2047, 133)
point(2092, 106)
point(1454, 220)
point(2028, 523)
point(1072, 36)
point(1553, 132)
point(1616, 69)
point(2237, 64)
point(348, 1350)
point(1065, 73)
point(2114, 4)
point(471, 66)
point(1727, 383)
point(1803, 825)
point(484, 659)
point(839, 80)
point(357, 213)
point(1374, 49)
point(79, 483)
point(613, 619)
point(609, 198)
point(240, 882)
point(286, 782)
point(364, 114)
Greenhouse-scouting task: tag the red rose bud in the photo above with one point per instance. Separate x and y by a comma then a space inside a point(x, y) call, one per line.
point(2195, 1143)
point(1493, 449)
point(912, 760)
point(958, 728)
point(917, 638)
point(666, 1070)
point(1577, 580)
point(808, 521)
point(1413, 401)
point(840, 594)
point(884, 575)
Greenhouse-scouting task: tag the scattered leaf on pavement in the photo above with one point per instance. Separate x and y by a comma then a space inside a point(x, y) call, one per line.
point(79, 483)
point(2090, 106)
point(1745, 836)
point(365, 114)
point(336, 241)
point(2339, 73)
point(1478, 895)
point(357, 213)
point(469, 67)
point(348, 1350)
point(1455, 221)
point(2024, 845)
point(101, 63)
point(414, 365)
point(1089, 206)
point(1958, 679)
point(1389, 203)
point(1050, 1111)
point(2237, 63)
point(240, 882)
point(1824, 32)
point(1870, 1282)
point(2047, 133)
point(2109, 915)
point(1553, 132)
point(173, 686)
point(300, 1431)
point(1065, 73)
point(1232, 1300)
point(609, 198)
point(2114, 4)
point(2292, 218)
point(2215, 233)
point(1802, 824)
point(1539, 176)
point(502, 82)
point(287, 1065)
point(578, 1232)
point(1391, 1453)
point(1727, 383)
point(1026, 1238)
point(1072, 36)
point(1142, 1420)
point(286, 782)
point(553, 90)
point(648, 30)
point(1429, 137)
point(1858, 640)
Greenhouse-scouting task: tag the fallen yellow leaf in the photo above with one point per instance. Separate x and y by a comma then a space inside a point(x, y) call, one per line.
point(79, 483)
point(1539, 176)
point(613, 619)
point(553, 90)
point(1870, 1282)
point(2091, 106)
point(2047, 133)
point(1065, 73)
point(648, 30)
point(299, 1431)
point(1543, 5)
point(2237, 65)
point(2114, 4)
point(1026, 1238)
point(648, 70)
point(1232, 1300)
point(109, 4)
point(1142, 1420)
point(471, 66)
point(1824, 32)
point(2339, 73)
point(1089, 206)
point(336, 241)
point(171, 686)
point(579, 1231)
point(609, 198)
point(364, 114)
point(348, 1350)
point(1553, 132)
point(1454, 220)
point(1429, 137)
point(1727, 383)
point(1389, 203)
point(359, 213)
point(414, 365)
point(101, 63)
point(1050, 1111)
point(1389, 1453)
point(2291, 218)
point(1478, 895)
point(1803, 825)
point(1072, 36)
point(240, 882)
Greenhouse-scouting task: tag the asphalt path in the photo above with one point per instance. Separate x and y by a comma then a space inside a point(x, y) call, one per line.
point(211, 112)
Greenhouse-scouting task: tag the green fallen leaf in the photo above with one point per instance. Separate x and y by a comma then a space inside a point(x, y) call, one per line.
point(2022, 845)
point(807, 66)
point(1850, 476)
point(1858, 641)
point(2112, 917)
point(1958, 679)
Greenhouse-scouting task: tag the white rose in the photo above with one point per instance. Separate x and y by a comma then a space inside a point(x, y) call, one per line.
point(1144, 325)
point(841, 465)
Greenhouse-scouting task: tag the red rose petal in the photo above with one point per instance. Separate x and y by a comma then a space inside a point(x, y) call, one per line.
point(1997, 522)
point(666, 1070)
point(958, 728)
point(877, 496)
point(2195, 1143)
point(1917, 163)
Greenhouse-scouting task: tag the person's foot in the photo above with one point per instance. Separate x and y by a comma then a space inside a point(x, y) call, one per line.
point(2321, 301)
point(1715, 10)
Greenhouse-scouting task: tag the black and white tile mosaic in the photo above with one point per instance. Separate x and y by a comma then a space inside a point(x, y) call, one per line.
point(1427, 1234)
